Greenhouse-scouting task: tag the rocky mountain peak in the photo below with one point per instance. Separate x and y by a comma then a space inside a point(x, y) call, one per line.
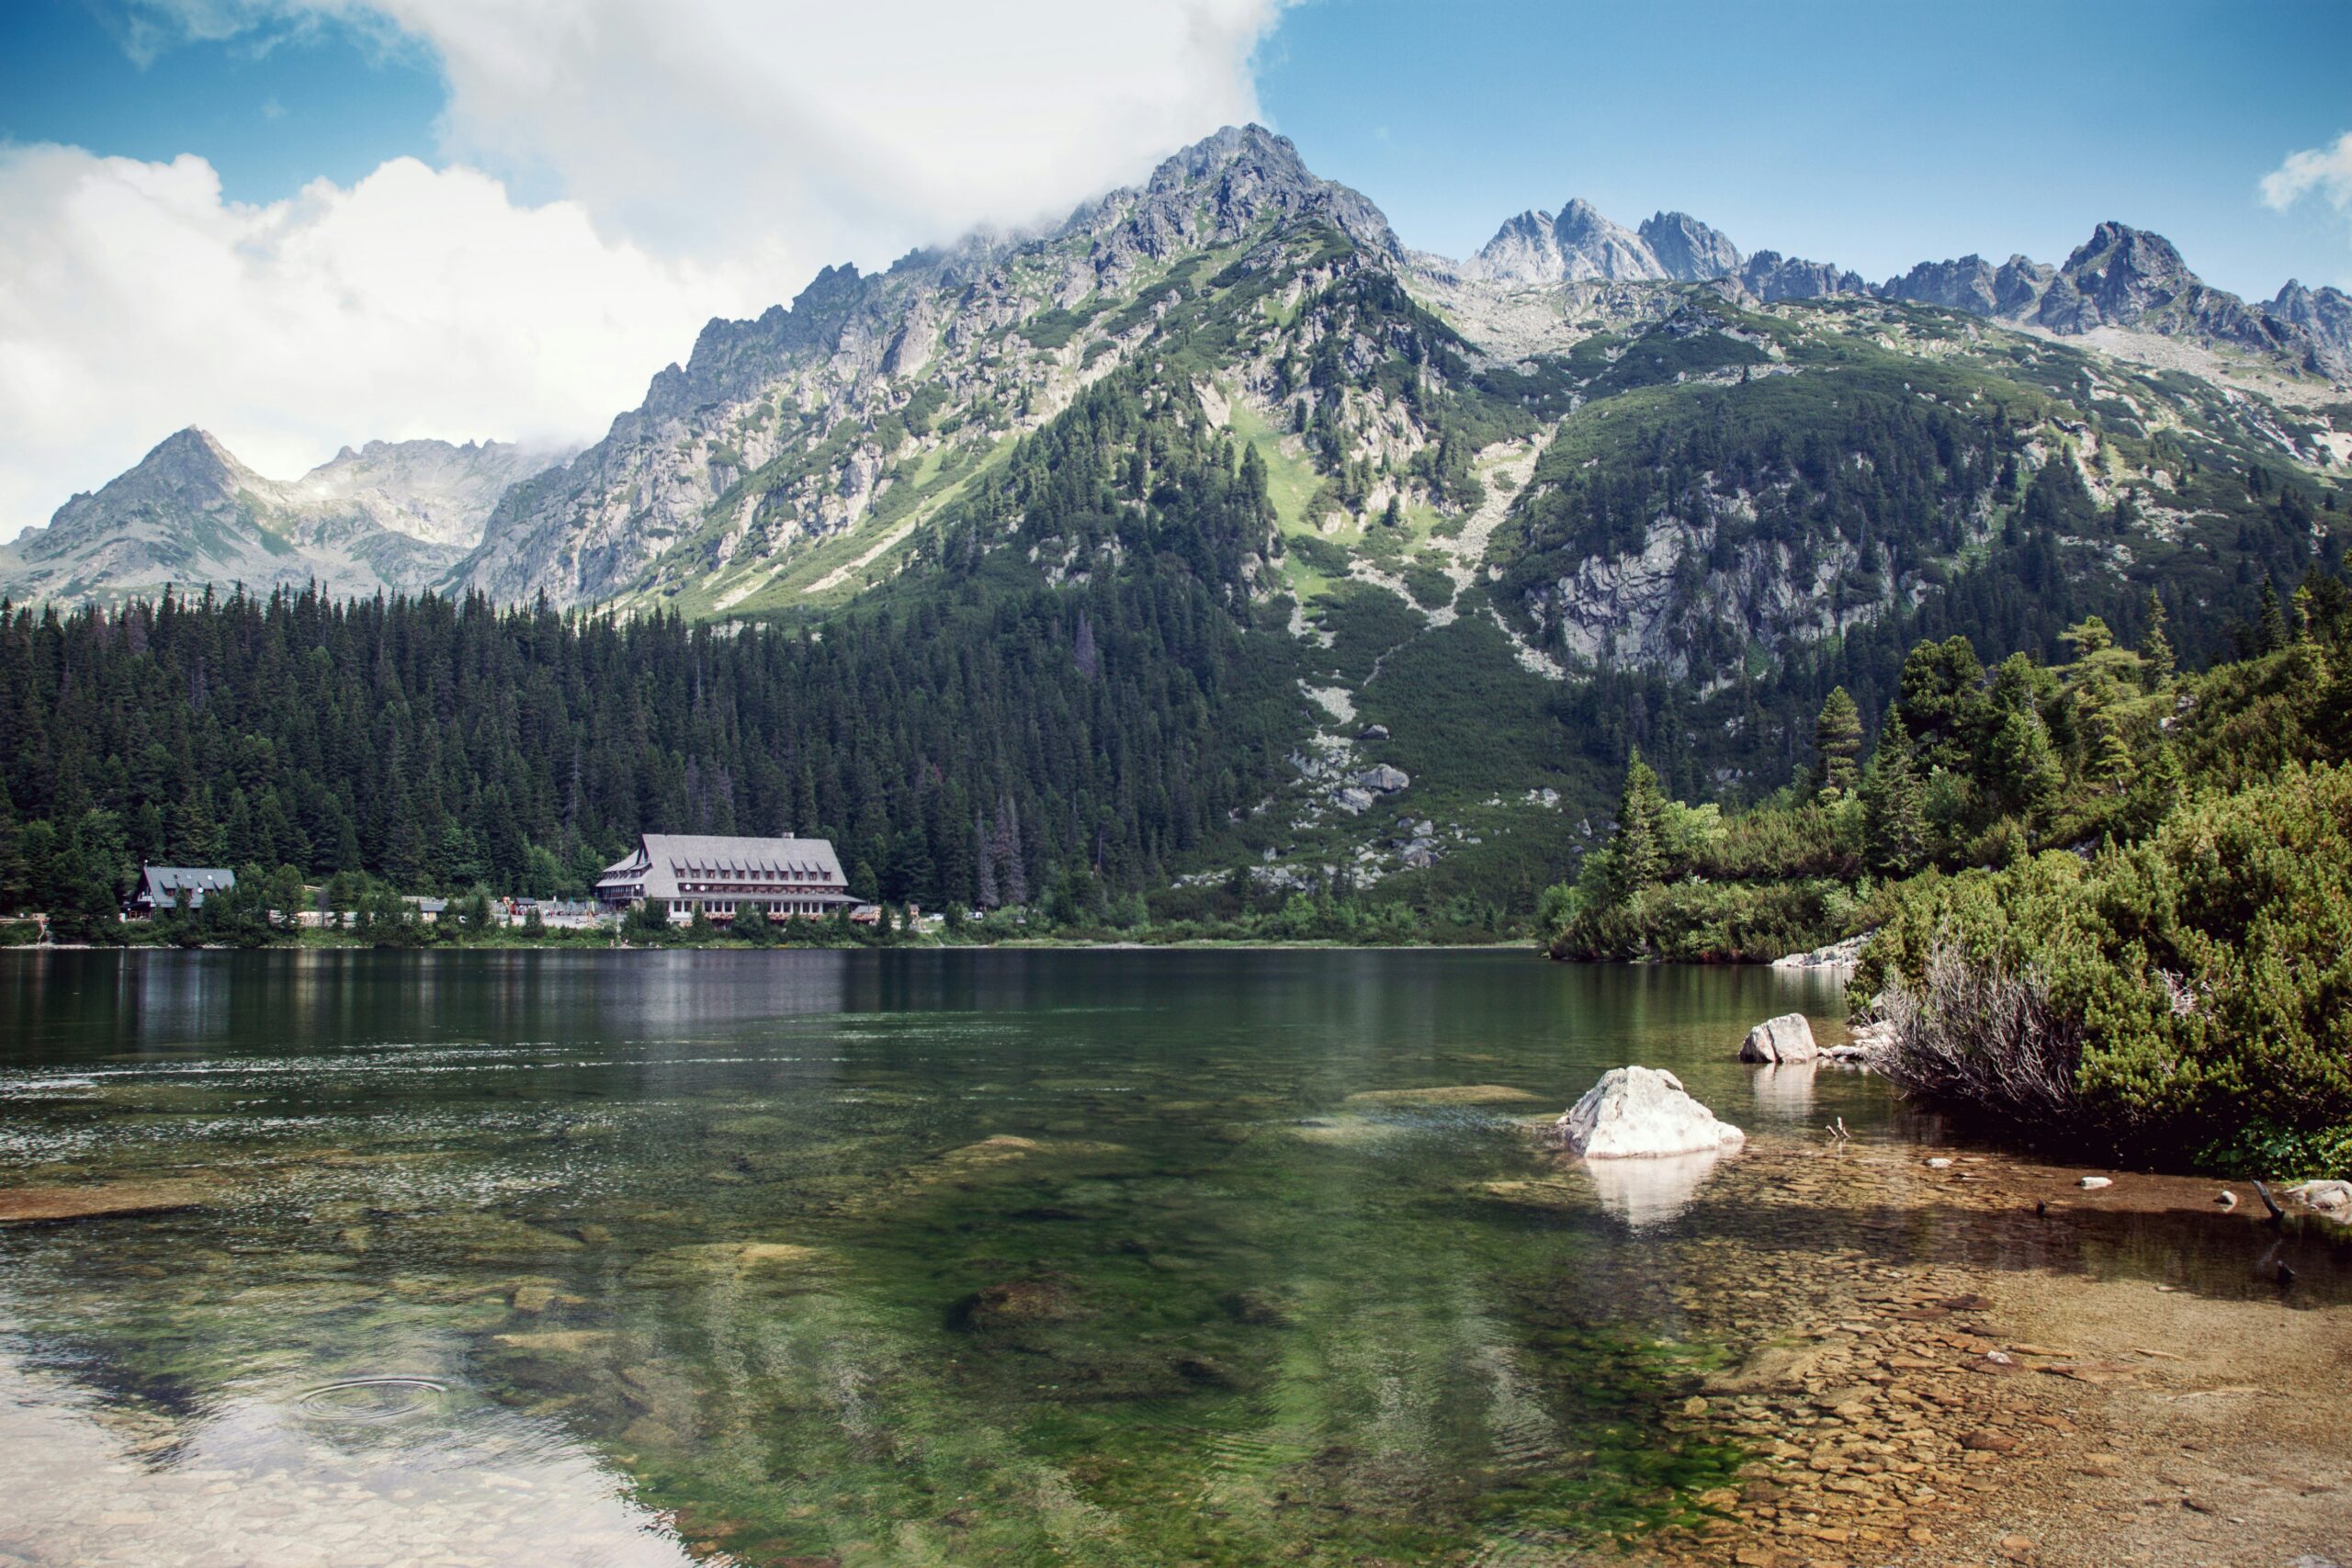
point(1592, 246)
point(1581, 244)
point(1223, 185)
point(190, 454)
point(1688, 250)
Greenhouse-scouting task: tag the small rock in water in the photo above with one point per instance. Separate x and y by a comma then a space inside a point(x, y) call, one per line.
point(2093, 1183)
point(1643, 1113)
point(1939, 1163)
point(1788, 1038)
point(2327, 1197)
point(2227, 1199)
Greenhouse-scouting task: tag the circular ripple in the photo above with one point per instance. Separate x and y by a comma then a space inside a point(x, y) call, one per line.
point(374, 1399)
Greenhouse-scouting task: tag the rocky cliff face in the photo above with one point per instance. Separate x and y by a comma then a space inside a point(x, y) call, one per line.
point(2135, 281)
point(1580, 245)
point(1770, 277)
point(785, 432)
point(1687, 249)
point(390, 516)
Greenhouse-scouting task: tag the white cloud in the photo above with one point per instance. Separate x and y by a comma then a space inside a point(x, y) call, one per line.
point(2325, 170)
point(134, 300)
point(857, 129)
point(709, 156)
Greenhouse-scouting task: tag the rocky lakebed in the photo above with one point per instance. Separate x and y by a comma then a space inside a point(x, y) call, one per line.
point(1101, 1258)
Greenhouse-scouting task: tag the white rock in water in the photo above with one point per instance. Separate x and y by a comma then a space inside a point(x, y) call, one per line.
point(2093, 1183)
point(1788, 1038)
point(1643, 1113)
point(1939, 1163)
point(2328, 1197)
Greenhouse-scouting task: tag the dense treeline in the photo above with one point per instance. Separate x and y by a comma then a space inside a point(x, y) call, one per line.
point(968, 743)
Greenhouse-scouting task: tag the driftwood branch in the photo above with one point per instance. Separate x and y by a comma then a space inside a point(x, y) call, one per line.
point(2277, 1213)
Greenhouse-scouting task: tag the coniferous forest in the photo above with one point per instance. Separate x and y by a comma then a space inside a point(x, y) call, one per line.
point(967, 744)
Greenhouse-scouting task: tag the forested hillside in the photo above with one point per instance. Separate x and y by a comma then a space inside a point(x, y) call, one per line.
point(970, 744)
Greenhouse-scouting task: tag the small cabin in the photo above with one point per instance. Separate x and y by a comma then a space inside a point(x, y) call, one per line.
point(167, 887)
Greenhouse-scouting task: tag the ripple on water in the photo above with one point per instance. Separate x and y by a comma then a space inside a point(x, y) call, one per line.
point(373, 1401)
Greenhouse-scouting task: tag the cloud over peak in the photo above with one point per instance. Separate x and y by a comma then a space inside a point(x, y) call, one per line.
point(705, 157)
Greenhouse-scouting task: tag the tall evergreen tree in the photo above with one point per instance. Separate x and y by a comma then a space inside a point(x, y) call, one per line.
point(1836, 744)
point(1637, 852)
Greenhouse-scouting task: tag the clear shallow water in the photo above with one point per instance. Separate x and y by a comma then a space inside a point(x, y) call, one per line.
point(956, 1258)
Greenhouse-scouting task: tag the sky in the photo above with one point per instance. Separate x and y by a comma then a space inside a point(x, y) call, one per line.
point(302, 223)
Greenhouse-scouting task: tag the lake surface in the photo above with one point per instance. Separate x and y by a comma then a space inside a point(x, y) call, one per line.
point(999, 1256)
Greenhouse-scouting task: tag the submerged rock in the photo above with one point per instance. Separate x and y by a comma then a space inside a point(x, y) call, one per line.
point(1788, 1038)
point(32, 1205)
point(1450, 1094)
point(1013, 1305)
point(1643, 1113)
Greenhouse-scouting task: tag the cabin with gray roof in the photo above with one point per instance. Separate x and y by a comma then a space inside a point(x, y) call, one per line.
point(781, 878)
point(162, 887)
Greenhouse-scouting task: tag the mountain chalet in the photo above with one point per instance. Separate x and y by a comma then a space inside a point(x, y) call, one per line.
point(782, 878)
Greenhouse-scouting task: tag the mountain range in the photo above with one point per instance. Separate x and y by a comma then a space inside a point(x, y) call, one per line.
point(781, 396)
point(2121, 277)
point(392, 515)
point(1445, 540)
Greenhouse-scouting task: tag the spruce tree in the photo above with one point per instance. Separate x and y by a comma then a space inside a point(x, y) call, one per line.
point(2155, 648)
point(1636, 853)
point(1837, 742)
point(1895, 825)
point(2270, 632)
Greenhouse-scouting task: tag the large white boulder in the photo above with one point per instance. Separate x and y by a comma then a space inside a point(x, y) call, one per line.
point(1643, 1114)
point(1788, 1038)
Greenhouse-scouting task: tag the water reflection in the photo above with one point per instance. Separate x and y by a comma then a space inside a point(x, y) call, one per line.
point(1784, 1089)
point(1645, 1193)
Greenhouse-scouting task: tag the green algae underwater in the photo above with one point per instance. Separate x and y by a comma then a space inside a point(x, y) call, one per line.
point(1094, 1258)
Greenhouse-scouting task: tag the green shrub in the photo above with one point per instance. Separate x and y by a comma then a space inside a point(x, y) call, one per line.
point(2195, 988)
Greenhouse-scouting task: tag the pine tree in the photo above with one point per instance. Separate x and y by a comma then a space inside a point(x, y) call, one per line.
point(2155, 648)
point(2270, 632)
point(1837, 743)
point(1637, 855)
point(1894, 829)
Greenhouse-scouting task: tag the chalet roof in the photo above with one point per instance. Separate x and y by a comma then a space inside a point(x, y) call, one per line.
point(163, 884)
point(665, 859)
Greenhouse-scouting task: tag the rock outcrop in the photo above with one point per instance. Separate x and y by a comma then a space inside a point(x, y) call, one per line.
point(1788, 1038)
point(1580, 245)
point(392, 515)
point(1643, 1114)
point(1772, 277)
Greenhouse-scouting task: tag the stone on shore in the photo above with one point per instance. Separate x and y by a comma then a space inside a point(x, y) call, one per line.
point(1643, 1114)
point(1788, 1038)
point(1836, 955)
point(2328, 1197)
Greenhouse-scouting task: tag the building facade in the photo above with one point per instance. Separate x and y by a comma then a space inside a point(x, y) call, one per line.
point(781, 878)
